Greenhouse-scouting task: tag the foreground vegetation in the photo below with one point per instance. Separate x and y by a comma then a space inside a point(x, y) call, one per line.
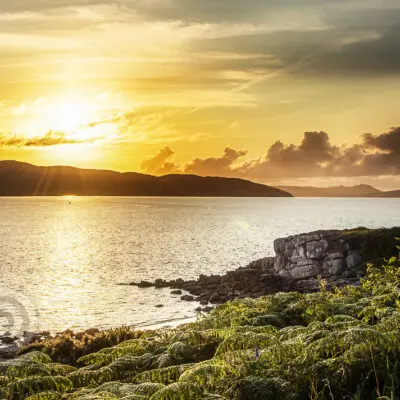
point(326, 345)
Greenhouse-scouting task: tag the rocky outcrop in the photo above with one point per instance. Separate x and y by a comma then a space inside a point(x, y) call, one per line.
point(300, 262)
point(339, 257)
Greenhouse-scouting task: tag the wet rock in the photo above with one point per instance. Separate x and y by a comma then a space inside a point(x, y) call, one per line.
point(142, 284)
point(7, 339)
point(204, 309)
point(8, 351)
point(187, 297)
point(159, 306)
point(177, 291)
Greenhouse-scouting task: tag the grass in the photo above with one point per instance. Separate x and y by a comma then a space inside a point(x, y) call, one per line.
point(326, 345)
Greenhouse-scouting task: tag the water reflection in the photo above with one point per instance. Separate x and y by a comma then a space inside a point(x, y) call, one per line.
point(67, 255)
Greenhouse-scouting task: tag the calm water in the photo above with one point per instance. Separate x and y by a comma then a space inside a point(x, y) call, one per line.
point(62, 258)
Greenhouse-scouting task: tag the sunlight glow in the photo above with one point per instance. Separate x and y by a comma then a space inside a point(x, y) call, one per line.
point(68, 115)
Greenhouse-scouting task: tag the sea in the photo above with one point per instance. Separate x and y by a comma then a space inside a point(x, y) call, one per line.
point(63, 259)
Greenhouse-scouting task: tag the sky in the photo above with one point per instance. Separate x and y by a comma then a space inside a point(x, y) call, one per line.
point(276, 91)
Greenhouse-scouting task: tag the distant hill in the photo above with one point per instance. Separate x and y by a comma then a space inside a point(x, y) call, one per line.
point(333, 191)
point(22, 179)
point(391, 194)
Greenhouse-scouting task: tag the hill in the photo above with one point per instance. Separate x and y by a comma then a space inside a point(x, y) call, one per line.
point(333, 191)
point(390, 194)
point(22, 179)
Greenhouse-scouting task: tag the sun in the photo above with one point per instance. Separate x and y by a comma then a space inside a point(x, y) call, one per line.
point(69, 115)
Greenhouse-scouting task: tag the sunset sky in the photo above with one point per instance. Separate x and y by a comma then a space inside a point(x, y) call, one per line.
point(277, 91)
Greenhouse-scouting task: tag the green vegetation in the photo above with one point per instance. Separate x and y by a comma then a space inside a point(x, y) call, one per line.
point(327, 345)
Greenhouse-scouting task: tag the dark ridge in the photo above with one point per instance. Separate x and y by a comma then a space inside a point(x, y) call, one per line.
point(333, 191)
point(23, 179)
point(391, 194)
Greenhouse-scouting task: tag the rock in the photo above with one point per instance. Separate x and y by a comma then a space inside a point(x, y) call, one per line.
point(7, 339)
point(143, 284)
point(204, 309)
point(338, 257)
point(8, 351)
point(334, 267)
point(308, 285)
point(215, 298)
point(305, 269)
point(159, 306)
point(91, 331)
point(316, 250)
point(354, 259)
point(187, 297)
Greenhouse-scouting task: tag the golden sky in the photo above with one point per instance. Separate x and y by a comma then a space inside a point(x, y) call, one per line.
point(219, 87)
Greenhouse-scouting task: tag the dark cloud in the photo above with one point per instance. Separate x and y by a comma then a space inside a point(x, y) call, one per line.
point(216, 165)
point(386, 142)
point(161, 163)
point(315, 156)
point(49, 139)
point(311, 37)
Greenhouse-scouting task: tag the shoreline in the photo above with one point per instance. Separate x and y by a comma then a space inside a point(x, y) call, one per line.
point(301, 263)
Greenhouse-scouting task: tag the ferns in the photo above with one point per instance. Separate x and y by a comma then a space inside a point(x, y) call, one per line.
point(178, 391)
point(290, 346)
point(207, 374)
point(22, 388)
point(163, 375)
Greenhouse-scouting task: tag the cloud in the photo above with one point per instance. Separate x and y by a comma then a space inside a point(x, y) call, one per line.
point(49, 139)
point(315, 156)
point(161, 163)
point(223, 166)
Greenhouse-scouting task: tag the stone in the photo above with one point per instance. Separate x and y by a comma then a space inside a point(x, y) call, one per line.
point(7, 339)
point(354, 259)
point(143, 284)
point(309, 270)
point(284, 273)
point(308, 285)
point(316, 250)
point(215, 298)
point(280, 262)
point(8, 351)
point(177, 291)
point(187, 297)
point(159, 306)
point(279, 246)
point(333, 267)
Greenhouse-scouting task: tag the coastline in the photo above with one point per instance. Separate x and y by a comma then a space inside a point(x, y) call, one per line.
point(301, 263)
